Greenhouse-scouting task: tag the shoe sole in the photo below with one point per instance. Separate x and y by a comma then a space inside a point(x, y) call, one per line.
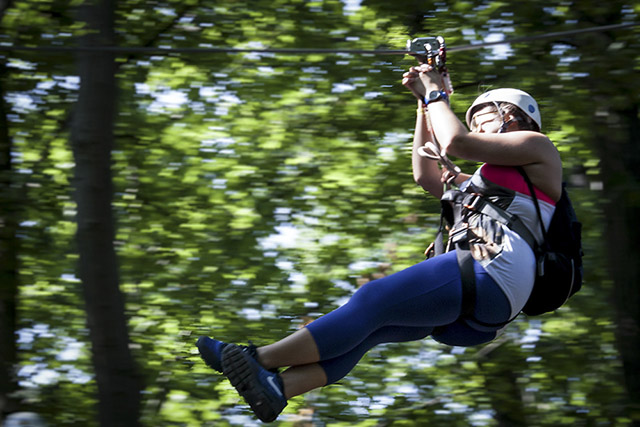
point(242, 375)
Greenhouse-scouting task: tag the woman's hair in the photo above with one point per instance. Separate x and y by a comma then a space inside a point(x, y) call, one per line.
point(506, 108)
point(525, 122)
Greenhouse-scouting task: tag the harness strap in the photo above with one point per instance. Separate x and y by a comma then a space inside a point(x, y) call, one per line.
point(535, 201)
point(468, 277)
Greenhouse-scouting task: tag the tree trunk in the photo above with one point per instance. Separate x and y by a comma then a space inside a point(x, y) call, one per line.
point(621, 172)
point(92, 141)
point(8, 261)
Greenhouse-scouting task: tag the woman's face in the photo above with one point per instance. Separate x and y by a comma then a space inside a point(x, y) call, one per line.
point(486, 120)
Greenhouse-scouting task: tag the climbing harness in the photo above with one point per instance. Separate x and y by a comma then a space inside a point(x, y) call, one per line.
point(457, 208)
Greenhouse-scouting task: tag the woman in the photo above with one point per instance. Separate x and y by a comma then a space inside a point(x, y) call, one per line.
point(426, 299)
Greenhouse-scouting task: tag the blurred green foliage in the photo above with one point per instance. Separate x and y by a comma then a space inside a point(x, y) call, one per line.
point(255, 192)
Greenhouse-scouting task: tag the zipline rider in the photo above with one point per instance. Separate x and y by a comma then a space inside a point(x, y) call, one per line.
point(426, 299)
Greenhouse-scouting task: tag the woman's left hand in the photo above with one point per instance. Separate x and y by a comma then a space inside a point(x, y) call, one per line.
point(431, 78)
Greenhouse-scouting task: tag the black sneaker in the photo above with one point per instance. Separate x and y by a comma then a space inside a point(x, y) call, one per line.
point(262, 389)
point(211, 352)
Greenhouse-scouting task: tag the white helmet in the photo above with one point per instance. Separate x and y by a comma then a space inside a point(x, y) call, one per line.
point(519, 98)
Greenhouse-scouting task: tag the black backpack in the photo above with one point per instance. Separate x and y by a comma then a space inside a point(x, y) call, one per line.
point(559, 269)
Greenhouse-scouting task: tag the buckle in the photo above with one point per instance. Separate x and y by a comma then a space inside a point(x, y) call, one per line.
point(474, 204)
point(459, 234)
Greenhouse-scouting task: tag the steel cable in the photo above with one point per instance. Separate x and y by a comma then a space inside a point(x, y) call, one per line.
point(295, 51)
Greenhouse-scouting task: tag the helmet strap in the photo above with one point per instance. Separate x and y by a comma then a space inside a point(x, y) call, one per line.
point(505, 123)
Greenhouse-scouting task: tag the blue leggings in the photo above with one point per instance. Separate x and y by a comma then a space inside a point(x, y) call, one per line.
point(422, 300)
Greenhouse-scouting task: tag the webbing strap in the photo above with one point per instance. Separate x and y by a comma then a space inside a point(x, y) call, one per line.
point(535, 200)
point(468, 277)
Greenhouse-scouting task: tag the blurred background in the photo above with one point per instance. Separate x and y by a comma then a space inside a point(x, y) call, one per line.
point(154, 189)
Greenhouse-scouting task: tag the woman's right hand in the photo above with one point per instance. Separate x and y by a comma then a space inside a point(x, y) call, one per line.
point(447, 176)
point(411, 80)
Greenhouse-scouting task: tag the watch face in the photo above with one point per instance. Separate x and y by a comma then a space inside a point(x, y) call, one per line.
point(433, 95)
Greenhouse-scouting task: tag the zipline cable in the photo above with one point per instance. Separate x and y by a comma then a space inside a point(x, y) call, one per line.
point(296, 51)
point(558, 34)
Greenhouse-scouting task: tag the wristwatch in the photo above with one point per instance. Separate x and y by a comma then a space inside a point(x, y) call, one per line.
point(435, 95)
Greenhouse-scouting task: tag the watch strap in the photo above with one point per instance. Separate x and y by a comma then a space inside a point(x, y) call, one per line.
point(442, 96)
